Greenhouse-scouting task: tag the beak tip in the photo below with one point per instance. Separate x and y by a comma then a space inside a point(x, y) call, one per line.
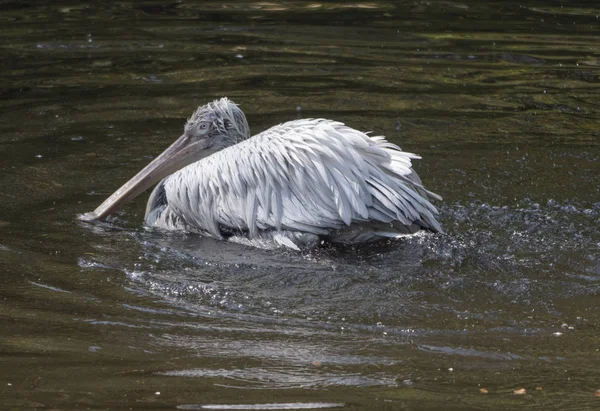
point(91, 216)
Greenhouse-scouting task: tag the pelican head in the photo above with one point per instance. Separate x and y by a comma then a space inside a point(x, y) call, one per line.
point(211, 128)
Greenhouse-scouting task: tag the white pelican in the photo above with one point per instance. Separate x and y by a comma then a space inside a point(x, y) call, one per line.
point(295, 185)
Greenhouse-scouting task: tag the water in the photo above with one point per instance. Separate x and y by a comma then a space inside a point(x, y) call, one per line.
point(500, 99)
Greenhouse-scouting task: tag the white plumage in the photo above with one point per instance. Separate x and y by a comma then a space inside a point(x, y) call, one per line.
point(314, 177)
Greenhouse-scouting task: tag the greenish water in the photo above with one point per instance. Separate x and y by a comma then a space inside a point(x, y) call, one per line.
point(500, 98)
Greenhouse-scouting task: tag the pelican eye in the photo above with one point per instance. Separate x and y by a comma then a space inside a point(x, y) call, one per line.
point(202, 129)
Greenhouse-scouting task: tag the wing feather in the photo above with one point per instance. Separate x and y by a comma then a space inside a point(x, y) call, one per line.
point(251, 207)
point(310, 175)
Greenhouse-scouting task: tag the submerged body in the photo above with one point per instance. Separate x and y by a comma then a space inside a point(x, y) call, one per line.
point(294, 184)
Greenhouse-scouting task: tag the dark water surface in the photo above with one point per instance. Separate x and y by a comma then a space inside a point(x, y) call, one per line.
point(501, 99)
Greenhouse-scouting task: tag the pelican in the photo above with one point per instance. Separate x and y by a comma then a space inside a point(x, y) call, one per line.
point(295, 185)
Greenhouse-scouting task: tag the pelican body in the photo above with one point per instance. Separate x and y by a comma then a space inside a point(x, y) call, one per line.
point(294, 185)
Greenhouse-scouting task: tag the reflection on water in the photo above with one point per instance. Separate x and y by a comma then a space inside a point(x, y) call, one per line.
point(499, 98)
point(276, 406)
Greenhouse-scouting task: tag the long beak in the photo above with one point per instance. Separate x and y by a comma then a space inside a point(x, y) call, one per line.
point(176, 156)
